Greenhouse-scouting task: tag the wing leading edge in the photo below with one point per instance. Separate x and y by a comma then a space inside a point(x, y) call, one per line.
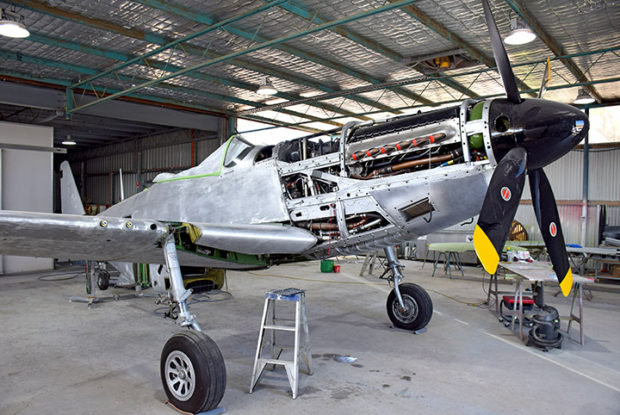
point(81, 237)
point(137, 240)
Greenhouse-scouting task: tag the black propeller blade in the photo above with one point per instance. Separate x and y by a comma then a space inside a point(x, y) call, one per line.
point(499, 208)
point(549, 223)
point(501, 58)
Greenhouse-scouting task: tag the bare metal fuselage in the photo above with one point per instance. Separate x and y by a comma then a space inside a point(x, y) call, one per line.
point(347, 213)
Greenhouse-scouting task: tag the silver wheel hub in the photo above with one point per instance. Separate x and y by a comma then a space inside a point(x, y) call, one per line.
point(180, 375)
point(408, 313)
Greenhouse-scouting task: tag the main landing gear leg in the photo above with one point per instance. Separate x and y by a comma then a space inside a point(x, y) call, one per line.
point(192, 367)
point(177, 289)
point(409, 306)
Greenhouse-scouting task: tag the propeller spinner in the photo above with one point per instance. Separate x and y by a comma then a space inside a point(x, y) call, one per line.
point(526, 134)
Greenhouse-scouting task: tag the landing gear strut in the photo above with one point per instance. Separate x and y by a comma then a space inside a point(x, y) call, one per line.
point(192, 367)
point(409, 306)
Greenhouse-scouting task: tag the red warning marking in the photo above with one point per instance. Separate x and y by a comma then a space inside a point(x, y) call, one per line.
point(398, 146)
point(383, 150)
point(506, 193)
point(368, 153)
point(553, 229)
point(432, 138)
point(415, 143)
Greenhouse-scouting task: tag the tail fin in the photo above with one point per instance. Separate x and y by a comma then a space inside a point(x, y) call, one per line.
point(70, 199)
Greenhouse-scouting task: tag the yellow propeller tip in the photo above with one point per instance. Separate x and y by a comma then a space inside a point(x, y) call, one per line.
point(485, 250)
point(567, 283)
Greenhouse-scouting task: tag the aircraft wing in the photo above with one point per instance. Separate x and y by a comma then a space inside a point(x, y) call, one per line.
point(136, 240)
point(81, 237)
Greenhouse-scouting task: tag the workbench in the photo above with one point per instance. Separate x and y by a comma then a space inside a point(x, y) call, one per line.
point(451, 252)
point(600, 255)
point(542, 272)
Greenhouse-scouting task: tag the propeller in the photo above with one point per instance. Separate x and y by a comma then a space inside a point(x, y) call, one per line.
point(506, 186)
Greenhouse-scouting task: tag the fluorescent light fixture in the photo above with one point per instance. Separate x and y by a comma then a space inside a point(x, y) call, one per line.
point(519, 34)
point(69, 141)
point(266, 87)
point(583, 97)
point(11, 24)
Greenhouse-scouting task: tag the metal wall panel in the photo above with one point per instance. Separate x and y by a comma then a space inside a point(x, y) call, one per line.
point(565, 176)
point(604, 170)
point(570, 216)
point(110, 163)
point(156, 157)
point(613, 215)
point(172, 157)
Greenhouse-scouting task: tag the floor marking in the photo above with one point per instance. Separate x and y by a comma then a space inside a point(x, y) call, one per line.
point(533, 353)
point(520, 347)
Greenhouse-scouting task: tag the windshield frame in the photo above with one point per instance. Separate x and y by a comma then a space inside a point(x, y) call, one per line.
point(233, 155)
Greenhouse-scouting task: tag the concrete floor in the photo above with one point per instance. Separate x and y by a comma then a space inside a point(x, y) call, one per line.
point(62, 357)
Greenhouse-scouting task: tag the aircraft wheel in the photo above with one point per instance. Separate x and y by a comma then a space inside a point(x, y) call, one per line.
point(103, 280)
point(193, 372)
point(418, 308)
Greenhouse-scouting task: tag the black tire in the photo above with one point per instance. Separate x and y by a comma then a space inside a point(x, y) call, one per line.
point(419, 307)
point(103, 280)
point(200, 384)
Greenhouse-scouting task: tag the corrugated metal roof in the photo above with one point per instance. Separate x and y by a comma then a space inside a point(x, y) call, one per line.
point(72, 37)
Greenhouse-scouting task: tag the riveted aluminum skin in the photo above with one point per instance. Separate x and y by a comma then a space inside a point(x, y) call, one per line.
point(256, 239)
point(81, 237)
point(234, 196)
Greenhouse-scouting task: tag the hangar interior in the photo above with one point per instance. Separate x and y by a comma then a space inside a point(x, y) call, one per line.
point(126, 91)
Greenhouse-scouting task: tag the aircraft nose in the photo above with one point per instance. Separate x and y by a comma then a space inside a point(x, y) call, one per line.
point(546, 129)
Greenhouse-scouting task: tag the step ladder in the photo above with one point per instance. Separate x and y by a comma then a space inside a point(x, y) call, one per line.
point(269, 322)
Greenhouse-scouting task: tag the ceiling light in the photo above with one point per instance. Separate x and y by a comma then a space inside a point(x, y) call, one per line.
point(69, 141)
point(266, 88)
point(11, 24)
point(519, 33)
point(583, 97)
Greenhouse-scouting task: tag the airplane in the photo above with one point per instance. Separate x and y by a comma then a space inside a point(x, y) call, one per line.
point(368, 186)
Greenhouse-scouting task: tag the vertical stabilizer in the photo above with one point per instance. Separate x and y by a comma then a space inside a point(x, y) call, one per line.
point(70, 199)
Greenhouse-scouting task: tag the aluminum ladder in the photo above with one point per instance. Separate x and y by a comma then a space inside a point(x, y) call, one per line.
point(269, 322)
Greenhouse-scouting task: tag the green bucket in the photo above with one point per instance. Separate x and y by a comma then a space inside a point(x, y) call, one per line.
point(327, 265)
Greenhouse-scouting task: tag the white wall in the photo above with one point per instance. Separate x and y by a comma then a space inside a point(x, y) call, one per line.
point(27, 182)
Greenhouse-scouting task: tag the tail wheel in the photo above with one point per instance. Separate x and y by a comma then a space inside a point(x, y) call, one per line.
point(193, 372)
point(103, 280)
point(418, 308)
